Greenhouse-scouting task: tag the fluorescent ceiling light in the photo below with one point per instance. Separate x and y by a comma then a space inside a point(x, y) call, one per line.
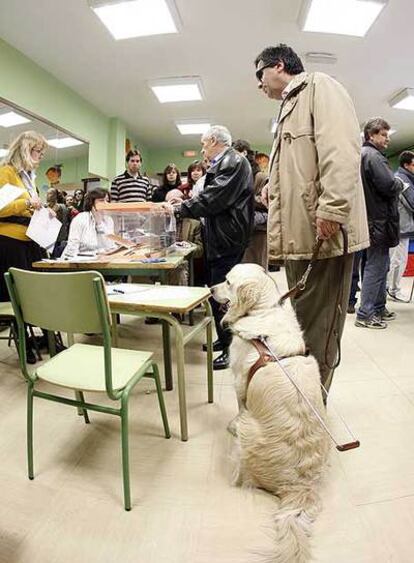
point(177, 89)
point(64, 142)
point(10, 119)
point(3, 153)
point(342, 17)
point(192, 127)
point(137, 18)
point(403, 100)
point(273, 125)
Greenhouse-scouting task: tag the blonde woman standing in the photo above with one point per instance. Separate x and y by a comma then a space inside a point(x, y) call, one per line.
point(18, 169)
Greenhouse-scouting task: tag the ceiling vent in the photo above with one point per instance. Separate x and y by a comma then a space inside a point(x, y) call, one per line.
point(321, 58)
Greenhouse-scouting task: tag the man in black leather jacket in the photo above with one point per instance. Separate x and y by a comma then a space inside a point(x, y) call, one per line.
point(227, 205)
point(381, 190)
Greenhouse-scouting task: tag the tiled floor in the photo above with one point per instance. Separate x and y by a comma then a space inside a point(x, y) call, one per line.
point(184, 509)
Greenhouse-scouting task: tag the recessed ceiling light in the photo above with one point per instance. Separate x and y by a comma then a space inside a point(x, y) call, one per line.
point(342, 17)
point(184, 89)
point(403, 100)
point(11, 118)
point(64, 142)
point(137, 18)
point(3, 153)
point(192, 127)
point(273, 125)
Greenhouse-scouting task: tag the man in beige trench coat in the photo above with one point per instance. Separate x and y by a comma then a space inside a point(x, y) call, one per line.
point(314, 188)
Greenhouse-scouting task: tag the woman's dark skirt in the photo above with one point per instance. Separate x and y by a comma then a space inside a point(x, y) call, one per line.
point(18, 254)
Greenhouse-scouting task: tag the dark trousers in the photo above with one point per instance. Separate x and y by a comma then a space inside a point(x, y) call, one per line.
point(16, 254)
point(360, 259)
point(316, 307)
point(217, 271)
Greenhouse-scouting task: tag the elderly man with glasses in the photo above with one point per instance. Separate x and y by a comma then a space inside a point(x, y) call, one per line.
point(226, 205)
point(314, 189)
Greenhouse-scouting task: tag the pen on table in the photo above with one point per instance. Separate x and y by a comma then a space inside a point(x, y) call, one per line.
point(118, 291)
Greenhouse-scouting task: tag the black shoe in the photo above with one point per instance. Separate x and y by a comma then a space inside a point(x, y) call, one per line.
point(217, 346)
point(60, 347)
point(30, 356)
point(223, 361)
point(351, 309)
point(152, 321)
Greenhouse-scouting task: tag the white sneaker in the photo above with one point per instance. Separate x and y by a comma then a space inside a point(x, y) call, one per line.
point(397, 296)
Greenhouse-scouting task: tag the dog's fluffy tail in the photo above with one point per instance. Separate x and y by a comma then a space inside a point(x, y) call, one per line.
point(291, 529)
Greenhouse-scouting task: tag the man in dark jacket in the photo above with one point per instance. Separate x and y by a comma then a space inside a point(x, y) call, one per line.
point(226, 204)
point(381, 190)
point(399, 254)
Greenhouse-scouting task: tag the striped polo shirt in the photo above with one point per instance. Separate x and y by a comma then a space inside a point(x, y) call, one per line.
point(127, 189)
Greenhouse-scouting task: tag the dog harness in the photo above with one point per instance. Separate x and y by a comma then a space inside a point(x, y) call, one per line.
point(262, 361)
point(264, 358)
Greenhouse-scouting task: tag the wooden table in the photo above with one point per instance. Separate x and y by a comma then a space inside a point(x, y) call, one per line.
point(122, 266)
point(161, 301)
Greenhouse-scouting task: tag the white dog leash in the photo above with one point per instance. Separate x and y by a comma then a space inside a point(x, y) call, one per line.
point(340, 447)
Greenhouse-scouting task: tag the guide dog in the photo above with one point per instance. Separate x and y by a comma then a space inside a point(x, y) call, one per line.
point(280, 445)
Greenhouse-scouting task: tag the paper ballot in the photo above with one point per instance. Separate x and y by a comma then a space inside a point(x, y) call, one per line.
point(9, 193)
point(44, 228)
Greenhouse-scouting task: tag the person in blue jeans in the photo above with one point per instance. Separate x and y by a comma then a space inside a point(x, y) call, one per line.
point(381, 189)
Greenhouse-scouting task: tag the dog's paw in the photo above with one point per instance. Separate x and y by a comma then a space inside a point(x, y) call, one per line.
point(232, 426)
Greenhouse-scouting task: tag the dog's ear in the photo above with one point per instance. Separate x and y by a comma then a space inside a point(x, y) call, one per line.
point(247, 295)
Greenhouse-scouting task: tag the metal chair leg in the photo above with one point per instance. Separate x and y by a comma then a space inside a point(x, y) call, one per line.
point(30, 430)
point(125, 452)
point(161, 402)
point(81, 411)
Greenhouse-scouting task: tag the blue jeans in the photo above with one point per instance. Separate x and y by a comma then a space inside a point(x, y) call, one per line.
point(374, 283)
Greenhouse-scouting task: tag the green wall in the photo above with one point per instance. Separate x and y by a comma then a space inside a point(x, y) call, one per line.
point(29, 86)
point(160, 158)
point(73, 170)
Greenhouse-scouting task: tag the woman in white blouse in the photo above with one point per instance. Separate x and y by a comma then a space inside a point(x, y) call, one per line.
point(88, 230)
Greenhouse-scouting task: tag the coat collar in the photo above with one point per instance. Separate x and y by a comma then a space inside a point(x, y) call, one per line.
point(369, 144)
point(295, 86)
point(403, 172)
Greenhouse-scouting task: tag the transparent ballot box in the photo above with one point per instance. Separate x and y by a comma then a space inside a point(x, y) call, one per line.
point(145, 229)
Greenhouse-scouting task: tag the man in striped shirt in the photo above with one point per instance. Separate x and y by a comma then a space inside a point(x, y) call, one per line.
point(131, 187)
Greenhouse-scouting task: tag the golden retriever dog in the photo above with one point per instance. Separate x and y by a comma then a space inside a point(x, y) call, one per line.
point(280, 445)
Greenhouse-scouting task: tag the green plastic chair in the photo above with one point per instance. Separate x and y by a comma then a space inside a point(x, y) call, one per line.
point(77, 303)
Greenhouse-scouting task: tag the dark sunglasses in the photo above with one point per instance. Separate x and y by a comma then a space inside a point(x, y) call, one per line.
point(259, 71)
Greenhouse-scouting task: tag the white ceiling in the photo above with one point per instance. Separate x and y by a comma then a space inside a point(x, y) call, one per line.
point(219, 41)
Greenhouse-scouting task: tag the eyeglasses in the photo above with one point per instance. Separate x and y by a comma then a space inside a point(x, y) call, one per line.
point(40, 152)
point(259, 71)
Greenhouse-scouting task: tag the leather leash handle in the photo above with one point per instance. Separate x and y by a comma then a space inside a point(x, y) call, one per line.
point(348, 446)
point(301, 285)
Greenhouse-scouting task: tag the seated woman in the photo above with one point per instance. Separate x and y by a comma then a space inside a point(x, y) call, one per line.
point(88, 230)
point(171, 179)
